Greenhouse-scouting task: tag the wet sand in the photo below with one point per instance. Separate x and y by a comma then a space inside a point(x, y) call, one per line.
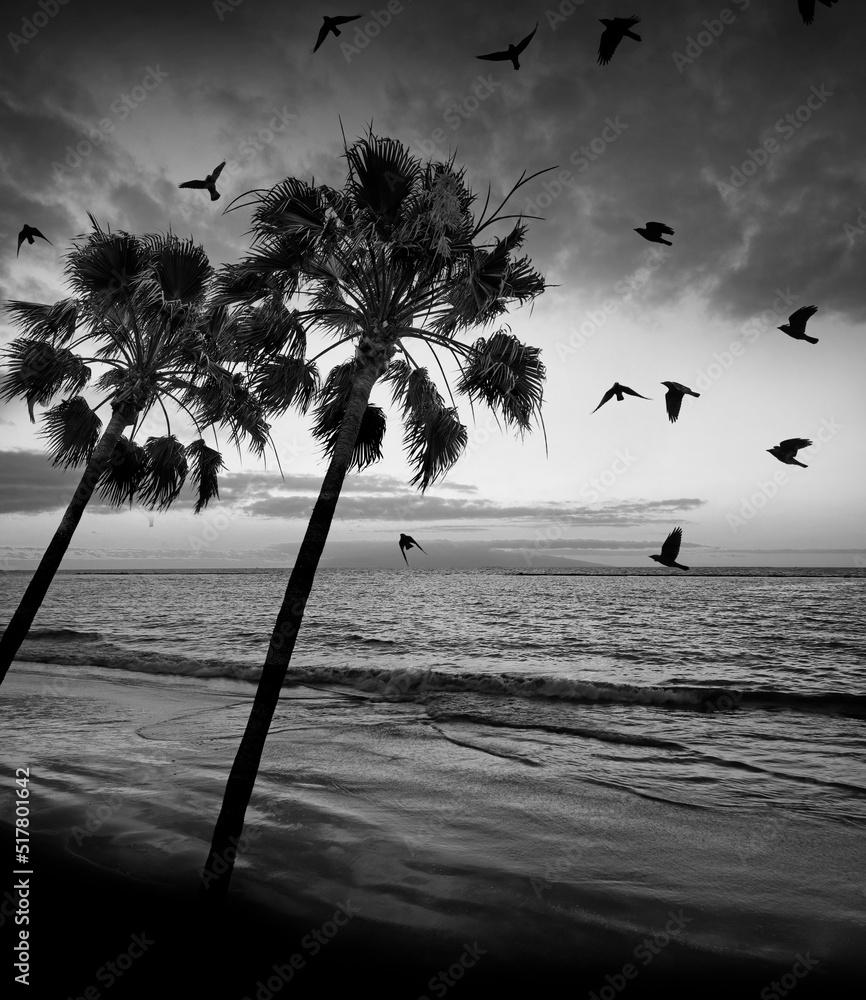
point(335, 898)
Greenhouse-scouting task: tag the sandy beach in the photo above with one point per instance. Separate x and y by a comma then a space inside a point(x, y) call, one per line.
point(378, 852)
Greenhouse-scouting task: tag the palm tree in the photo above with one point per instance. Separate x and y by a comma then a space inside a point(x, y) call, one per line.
point(392, 259)
point(142, 310)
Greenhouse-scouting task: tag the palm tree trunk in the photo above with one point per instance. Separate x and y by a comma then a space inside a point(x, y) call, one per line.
point(230, 823)
point(21, 621)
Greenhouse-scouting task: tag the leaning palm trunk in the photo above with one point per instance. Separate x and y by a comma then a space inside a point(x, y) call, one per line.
point(123, 415)
point(391, 259)
point(230, 823)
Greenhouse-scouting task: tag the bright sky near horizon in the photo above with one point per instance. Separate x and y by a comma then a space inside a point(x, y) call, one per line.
point(735, 124)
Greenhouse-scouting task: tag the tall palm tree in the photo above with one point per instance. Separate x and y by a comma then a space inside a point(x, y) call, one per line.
point(142, 311)
point(394, 258)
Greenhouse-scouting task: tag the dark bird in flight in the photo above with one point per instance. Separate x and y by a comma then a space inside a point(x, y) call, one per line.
point(653, 233)
point(27, 233)
point(786, 451)
point(513, 51)
point(209, 182)
point(807, 8)
point(671, 549)
point(674, 398)
point(406, 542)
point(615, 29)
point(331, 25)
point(617, 390)
point(796, 325)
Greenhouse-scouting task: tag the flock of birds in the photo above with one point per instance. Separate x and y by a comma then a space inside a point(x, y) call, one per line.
point(615, 30)
point(785, 451)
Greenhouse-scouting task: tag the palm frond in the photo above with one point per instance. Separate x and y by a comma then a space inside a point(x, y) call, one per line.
point(166, 471)
point(245, 416)
point(71, 430)
point(483, 222)
point(507, 375)
point(333, 400)
point(368, 444)
point(269, 329)
point(383, 174)
point(210, 395)
point(285, 382)
point(36, 371)
point(290, 205)
point(493, 274)
point(340, 203)
point(434, 440)
point(242, 283)
point(216, 336)
point(107, 267)
point(206, 465)
point(371, 437)
point(113, 380)
point(413, 388)
point(180, 267)
point(121, 479)
point(55, 322)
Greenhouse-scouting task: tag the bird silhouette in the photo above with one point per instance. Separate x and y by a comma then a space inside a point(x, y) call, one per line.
point(787, 450)
point(807, 8)
point(406, 542)
point(653, 231)
point(674, 398)
point(615, 29)
point(670, 550)
point(331, 25)
point(617, 390)
point(27, 233)
point(513, 51)
point(796, 325)
point(209, 182)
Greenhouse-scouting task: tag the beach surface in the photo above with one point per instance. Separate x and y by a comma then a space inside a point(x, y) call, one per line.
point(385, 851)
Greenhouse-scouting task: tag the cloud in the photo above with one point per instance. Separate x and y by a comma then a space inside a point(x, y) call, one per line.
point(31, 485)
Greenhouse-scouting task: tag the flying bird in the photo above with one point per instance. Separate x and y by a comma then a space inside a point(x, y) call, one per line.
point(27, 233)
point(406, 542)
point(674, 398)
point(209, 182)
point(796, 325)
point(615, 29)
point(807, 8)
point(786, 451)
point(617, 390)
point(653, 232)
point(670, 550)
point(331, 25)
point(513, 51)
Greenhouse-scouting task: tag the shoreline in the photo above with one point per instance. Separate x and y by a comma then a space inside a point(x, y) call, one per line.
point(335, 832)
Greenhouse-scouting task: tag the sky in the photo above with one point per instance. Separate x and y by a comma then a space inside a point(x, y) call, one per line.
point(738, 126)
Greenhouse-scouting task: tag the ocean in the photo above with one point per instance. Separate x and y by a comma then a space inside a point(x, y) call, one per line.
point(529, 761)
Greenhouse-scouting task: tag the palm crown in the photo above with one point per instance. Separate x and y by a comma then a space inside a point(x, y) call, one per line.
point(141, 311)
point(395, 256)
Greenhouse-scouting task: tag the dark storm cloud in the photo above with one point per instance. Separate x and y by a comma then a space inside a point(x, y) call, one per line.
point(752, 103)
point(700, 105)
point(30, 485)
